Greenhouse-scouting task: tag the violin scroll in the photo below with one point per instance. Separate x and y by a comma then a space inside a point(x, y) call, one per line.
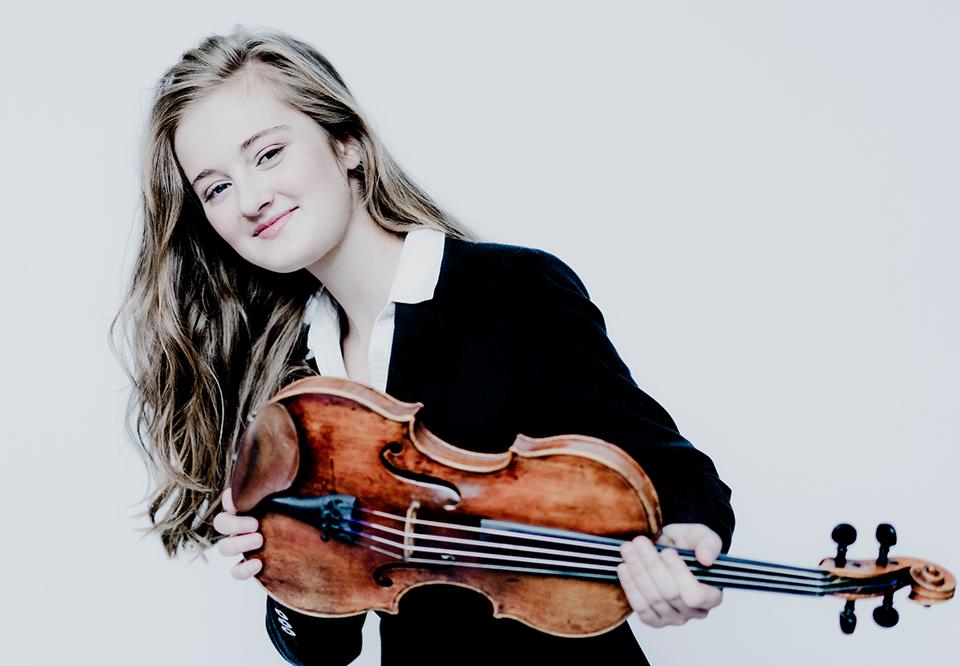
point(931, 584)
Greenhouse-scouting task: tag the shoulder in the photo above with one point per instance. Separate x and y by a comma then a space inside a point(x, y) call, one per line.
point(499, 269)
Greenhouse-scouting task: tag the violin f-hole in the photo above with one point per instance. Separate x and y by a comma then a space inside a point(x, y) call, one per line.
point(394, 457)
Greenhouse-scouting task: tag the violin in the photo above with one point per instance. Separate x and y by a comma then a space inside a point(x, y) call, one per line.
point(359, 502)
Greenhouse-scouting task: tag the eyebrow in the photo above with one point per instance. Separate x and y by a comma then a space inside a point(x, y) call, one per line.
point(243, 146)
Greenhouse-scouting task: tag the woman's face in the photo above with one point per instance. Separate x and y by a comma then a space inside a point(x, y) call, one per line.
point(269, 181)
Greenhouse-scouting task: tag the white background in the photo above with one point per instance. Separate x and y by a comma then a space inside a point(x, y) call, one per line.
point(760, 196)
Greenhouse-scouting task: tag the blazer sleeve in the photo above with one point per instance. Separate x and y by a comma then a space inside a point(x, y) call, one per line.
point(574, 381)
point(305, 640)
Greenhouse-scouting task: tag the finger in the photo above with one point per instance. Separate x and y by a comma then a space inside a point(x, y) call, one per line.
point(639, 604)
point(230, 525)
point(246, 569)
point(228, 504)
point(707, 547)
point(697, 597)
point(705, 543)
point(240, 544)
point(654, 581)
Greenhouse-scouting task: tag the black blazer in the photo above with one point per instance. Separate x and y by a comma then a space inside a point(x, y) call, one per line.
point(510, 343)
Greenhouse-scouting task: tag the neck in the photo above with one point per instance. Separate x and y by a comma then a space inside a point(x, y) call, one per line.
point(359, 271)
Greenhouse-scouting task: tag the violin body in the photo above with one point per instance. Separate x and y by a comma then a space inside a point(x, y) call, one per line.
point(404, 489)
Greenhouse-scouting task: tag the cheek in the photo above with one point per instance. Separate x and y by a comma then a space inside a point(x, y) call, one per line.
point(315, 173)
point(224, 227)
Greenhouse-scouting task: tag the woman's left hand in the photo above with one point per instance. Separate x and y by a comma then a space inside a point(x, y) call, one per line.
point(659, 586)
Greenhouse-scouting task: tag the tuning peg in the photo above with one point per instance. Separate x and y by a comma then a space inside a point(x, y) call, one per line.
point(843, 535)
point(886, 536)
point(848, 620)
point(885, 614)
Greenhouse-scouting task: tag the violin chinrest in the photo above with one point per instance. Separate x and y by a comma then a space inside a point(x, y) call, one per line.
point(268, 457)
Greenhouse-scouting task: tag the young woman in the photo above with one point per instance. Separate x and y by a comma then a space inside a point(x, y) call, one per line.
point(281, 239)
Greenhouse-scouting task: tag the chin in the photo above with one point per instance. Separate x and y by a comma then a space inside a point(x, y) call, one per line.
point(292, 256)
point(283, 268)
point(290, 265)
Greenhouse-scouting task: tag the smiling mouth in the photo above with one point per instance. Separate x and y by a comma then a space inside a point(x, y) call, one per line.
point(266, 225)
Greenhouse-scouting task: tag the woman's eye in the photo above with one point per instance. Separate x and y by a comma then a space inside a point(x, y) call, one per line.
point(214, 191)
point(270, 155)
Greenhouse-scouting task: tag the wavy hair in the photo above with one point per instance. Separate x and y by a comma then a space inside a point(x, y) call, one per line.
point(205, 336)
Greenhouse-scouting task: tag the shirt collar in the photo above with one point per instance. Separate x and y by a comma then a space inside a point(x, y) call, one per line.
point(418, 269)
point(415, 280)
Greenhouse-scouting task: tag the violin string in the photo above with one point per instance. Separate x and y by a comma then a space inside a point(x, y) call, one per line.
point(487, 530)
point(707, 574)
point(685, 554)
point(477, 542)
point(563, 568)
point(720, 570)
point(725, 572)
point(485, 555)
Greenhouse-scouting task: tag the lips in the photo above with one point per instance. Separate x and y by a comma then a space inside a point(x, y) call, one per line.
point(261, 229)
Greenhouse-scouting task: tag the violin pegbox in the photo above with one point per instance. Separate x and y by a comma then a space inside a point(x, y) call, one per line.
point(860, 579)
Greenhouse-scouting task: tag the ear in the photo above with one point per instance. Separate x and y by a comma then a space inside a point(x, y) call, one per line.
point(348, 152)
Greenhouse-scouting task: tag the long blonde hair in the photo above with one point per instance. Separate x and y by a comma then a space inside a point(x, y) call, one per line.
point(206, 336)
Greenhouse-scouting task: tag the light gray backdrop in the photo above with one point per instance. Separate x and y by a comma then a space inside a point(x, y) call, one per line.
point(760, 196)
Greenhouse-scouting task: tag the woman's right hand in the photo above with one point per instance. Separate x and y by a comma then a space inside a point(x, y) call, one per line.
point(242, 536)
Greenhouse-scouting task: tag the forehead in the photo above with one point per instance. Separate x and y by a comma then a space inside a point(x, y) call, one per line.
point(211, 130)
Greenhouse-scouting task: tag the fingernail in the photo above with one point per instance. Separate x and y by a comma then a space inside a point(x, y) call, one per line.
point(644, 545)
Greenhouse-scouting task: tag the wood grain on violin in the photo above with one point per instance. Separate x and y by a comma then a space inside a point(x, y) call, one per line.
point(359, 503)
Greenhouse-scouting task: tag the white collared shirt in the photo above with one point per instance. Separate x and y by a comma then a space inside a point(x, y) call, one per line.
point(414, 282)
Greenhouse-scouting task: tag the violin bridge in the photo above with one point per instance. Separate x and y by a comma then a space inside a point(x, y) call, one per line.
point(408, 529)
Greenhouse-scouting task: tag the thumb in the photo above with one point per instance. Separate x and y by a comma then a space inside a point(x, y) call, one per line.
point(707, 546)
point(703, 541)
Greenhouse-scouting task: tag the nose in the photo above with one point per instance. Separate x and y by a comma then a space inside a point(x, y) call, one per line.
point(253, 198)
